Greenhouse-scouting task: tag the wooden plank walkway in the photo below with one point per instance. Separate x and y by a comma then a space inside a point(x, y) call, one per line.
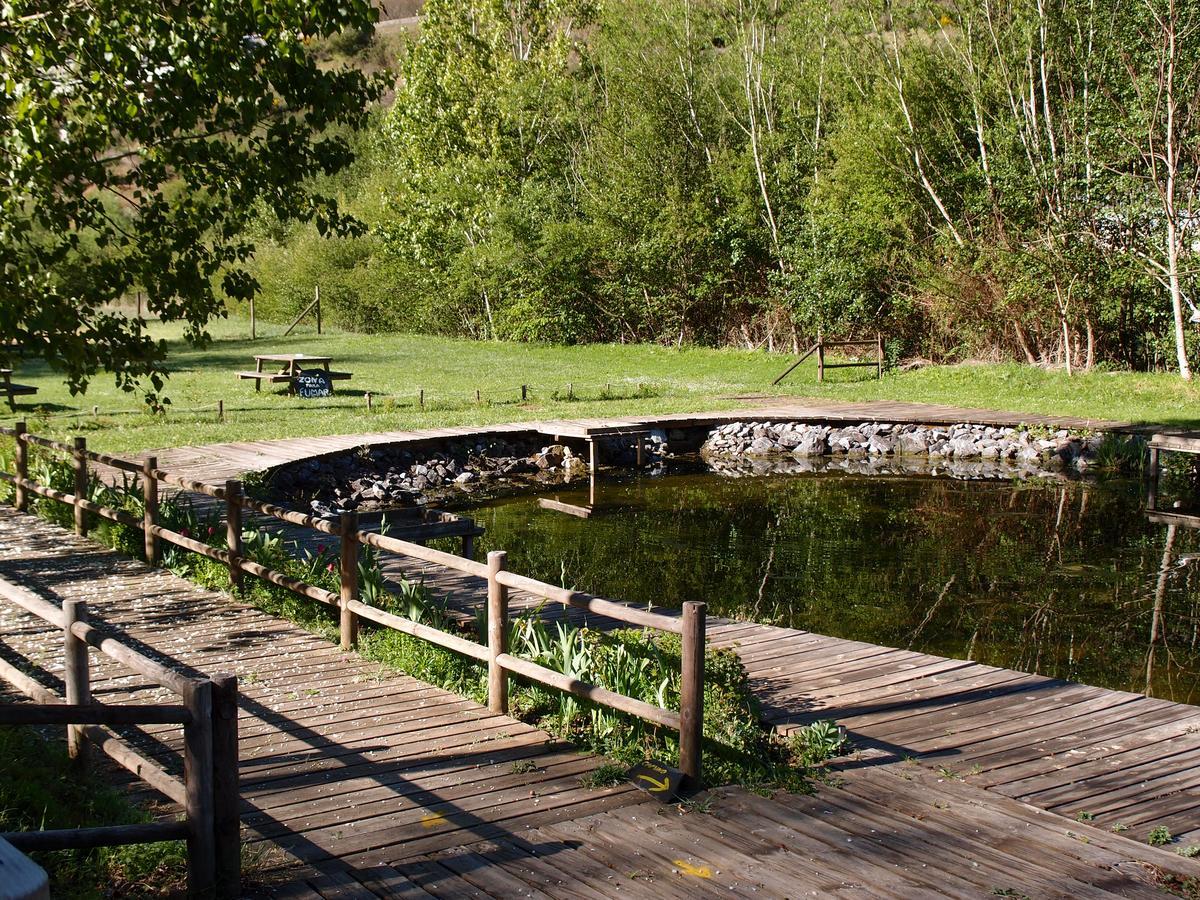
point(216, 462)
point(381, 786)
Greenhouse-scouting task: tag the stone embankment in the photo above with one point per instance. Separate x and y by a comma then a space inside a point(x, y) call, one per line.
point(384, 477)
point(389, 476)
point(1031, 450)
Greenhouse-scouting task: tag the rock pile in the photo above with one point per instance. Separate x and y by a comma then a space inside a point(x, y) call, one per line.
point(390, 476)
point(1048, 450)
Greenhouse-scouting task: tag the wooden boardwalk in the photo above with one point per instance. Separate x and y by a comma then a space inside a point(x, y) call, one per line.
point(378, 785)
point(216, 462)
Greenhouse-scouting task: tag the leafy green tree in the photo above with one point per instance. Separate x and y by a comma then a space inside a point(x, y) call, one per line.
point(136, 139)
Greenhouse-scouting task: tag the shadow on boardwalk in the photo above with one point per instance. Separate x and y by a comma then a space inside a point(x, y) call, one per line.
point(380, 785)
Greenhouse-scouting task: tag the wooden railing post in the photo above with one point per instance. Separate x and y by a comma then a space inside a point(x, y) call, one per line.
point(497, 632)
point(227, 827)
point(198, 789)
point(21, 464)
point(76, 677)
point(150, 507)
point(691, 691)
point(81, 485)
point(233, 531)
point(878, 355)
point(820, 361)
point(349, 573)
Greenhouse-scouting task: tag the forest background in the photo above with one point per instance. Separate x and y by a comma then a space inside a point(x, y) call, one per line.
point(985, 179)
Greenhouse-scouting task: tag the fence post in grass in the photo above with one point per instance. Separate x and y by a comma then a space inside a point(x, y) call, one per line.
point(226, 824)
point(21, 464)
point(198, 789)
point(878, 355)
point(233, 531)
point(421, 398)
point(524, 392)
point(349, 573)
point(820, 360)
point(497, 632)
point(76, 678)
point(691, 691)
point(150, 507)
point(81, 484)
point(220, 410)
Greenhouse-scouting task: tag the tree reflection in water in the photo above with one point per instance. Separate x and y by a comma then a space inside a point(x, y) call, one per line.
point(1064, 579)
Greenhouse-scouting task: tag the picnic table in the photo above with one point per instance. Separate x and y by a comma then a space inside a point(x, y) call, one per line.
point(12, 390)
point(287, 368)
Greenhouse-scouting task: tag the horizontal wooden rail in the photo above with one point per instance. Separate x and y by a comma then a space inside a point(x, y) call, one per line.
point(48, 444)
point(416, 629)
point(303, 588)
point(290, 515)
point(137, 764)
point(426, 554)
point(188, 484)
point(93, 714)
point(598, 605)
point(648, 711)
point(103, 836)
point(115, 462)
point(114, 649)
point(113, 515)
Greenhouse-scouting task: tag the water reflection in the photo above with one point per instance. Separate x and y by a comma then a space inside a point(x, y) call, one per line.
point(1065, 578)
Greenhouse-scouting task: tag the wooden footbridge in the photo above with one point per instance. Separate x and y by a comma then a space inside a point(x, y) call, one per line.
point(354, 781)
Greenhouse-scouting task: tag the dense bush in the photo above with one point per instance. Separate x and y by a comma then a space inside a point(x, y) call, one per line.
point(758, 172)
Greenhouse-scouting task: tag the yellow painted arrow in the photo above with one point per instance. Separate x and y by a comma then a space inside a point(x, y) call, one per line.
point(688, 869)
point(658, 786)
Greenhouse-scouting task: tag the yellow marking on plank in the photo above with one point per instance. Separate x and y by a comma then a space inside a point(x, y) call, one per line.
point(432, 820)
point(658, 786)
point(688, 869)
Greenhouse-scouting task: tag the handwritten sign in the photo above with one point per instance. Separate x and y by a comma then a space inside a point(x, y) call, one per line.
point(659, 781)
point(314, 383)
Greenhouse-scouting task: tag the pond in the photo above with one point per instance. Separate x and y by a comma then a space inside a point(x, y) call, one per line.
point(1065, 579)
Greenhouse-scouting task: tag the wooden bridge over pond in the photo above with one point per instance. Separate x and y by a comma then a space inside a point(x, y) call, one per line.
point(357, 782)
point(968, 780)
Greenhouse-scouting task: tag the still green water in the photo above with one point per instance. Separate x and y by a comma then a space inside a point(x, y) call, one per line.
point(1066, 580)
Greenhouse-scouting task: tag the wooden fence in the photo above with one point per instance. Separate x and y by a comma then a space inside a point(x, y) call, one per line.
point(687, 720)
point(208, 792)
point(822, 345)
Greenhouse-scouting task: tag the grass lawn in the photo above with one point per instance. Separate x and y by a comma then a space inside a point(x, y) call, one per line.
point(608, 380)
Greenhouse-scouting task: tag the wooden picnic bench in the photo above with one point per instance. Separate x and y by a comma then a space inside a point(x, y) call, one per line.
point(290, 365)
point(12, 390)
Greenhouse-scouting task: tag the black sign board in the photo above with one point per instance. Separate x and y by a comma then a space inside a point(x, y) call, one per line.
point(314, 383)
point(656, 779)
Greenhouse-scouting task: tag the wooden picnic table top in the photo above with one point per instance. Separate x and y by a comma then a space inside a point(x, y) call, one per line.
point(292, 357)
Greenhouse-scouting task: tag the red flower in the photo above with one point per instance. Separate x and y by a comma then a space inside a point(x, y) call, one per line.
point(329, 568)
point(320, 549)
point(185, 532)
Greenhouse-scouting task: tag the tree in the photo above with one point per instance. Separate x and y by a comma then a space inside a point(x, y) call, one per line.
point(137, 139)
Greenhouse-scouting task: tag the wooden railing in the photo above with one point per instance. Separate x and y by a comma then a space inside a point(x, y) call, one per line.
point(822, 345)
point(687, 720)
point(208, 791)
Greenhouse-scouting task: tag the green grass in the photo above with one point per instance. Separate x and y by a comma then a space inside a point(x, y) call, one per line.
point(608, 380)
point(39, 789)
